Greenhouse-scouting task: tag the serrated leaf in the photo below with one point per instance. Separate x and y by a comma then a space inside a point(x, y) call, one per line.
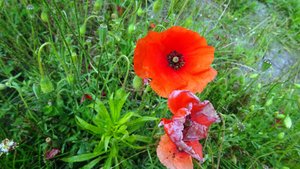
point(85, 125)
point(81, 157)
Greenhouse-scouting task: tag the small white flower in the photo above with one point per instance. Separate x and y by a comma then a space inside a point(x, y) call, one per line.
point(7, 145)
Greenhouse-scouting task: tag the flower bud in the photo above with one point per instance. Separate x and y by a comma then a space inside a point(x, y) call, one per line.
point(140, 12)
point(188, 22)
point(157, 6)
point(70, 78)
point(280, 116)
point(234, 159)
point(46, 85)
point(280, 136)
point(74, 57)
point(44, 16)
point(137, 83)
point(287, 122)
point(114, 16)
point(131, 28)
point(82, 29)
point(2, 86)
point(252, 107)
point(97, 5)
point(102, 31)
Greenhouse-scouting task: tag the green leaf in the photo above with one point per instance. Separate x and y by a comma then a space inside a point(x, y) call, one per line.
point(88, 126)
point(102, 113)
point(82, 157)
point(93, 163)
point(132, 146)
point(136, 124)
point(125, 118)
point(122, 130)
point(106, 142)
point(113, 154)
point(143, 119)
point(140, 138)
point(116, 103)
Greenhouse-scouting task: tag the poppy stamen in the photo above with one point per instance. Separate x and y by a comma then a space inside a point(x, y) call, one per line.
point(175, 60)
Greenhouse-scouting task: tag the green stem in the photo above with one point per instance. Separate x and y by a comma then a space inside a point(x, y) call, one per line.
point(56, 54)
point(112, 68)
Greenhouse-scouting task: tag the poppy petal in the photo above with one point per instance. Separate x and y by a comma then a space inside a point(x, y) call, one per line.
point(200, 59)
point(197, 147)
point(171, 157)
point(182, 40)
point(181, 99)
point(195, 131)
point(146, 55)
point(204, 114)
point(174, 128)
point(168, 85)
point(198, 81)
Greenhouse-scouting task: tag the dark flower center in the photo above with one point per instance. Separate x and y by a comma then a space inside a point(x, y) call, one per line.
point(175, 60)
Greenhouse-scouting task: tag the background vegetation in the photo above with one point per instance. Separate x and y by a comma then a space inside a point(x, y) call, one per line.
point(55, 54)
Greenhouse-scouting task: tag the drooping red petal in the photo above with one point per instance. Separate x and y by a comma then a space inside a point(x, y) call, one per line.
point(197, 147)
point(204, 114)
point(174, 128)
point(181, 99)
point(171, 157)
point(175, 131)
point(194, 131)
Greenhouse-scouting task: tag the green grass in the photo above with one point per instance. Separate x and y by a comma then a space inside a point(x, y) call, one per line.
point(54, 52)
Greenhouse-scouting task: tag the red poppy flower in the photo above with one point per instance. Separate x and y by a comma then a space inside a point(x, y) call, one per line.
point(190, 122)
point(175, 59)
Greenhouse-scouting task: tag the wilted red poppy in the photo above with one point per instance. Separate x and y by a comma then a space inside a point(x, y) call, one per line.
point(190, 122)
point(175, 59)
point(52, 153)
